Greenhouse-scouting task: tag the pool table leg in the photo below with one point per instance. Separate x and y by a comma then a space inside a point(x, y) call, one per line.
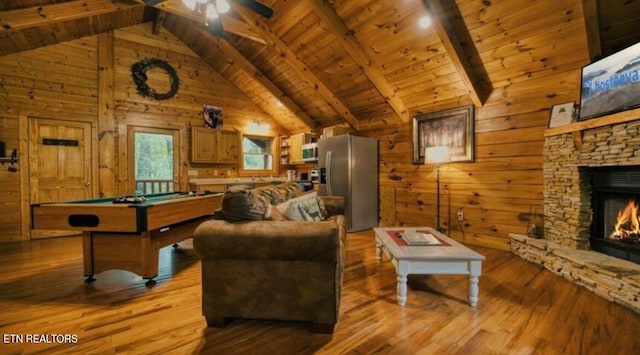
point(137, 253)
point(87, 250)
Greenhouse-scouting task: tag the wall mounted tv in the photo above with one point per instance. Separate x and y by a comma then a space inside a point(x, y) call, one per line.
point(611, 84)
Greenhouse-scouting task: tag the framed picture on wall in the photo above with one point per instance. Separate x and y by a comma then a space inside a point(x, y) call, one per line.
point(452, 128)
point(561, 114)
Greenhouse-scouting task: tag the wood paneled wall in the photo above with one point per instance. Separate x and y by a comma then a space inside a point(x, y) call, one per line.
point(199, 84)
point(532, 65)
point(66, 81)
point(51, 82)
point(9, 181)
point(499, 190)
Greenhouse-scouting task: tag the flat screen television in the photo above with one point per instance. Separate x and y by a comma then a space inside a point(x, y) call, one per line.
point(611, 84)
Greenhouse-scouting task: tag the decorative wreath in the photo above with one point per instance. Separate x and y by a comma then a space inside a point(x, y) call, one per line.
point(139, 75)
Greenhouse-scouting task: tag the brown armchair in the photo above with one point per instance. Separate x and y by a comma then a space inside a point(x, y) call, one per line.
point(277, 270)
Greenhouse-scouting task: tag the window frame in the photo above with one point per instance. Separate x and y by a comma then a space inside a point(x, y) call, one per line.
point(131, 174)
point(274, 155)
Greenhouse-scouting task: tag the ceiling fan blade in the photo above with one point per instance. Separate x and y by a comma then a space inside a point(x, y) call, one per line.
point(153, 2)
point(215, 27)
point(257, 7)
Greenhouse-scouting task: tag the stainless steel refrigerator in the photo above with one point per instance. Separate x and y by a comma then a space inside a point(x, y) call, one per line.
point(349, 167)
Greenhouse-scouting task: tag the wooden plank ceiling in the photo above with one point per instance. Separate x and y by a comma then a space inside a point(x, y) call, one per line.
point(318, 63)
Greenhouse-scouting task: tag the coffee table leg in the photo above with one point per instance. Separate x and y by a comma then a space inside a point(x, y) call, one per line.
point(474, 276)
point(378, 250)
point(402, 283)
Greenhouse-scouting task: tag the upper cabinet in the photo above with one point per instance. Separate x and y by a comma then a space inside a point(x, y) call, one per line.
point(336, 130)
point(214, 146)
point(227, 148)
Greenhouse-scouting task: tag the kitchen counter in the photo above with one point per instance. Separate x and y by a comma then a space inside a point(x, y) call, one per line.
point(221, 184)
point(232, 180)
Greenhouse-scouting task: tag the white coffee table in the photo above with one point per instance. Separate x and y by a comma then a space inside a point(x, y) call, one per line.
point(451, 259)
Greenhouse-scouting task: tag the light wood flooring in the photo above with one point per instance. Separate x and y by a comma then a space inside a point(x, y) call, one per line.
point(523, 309)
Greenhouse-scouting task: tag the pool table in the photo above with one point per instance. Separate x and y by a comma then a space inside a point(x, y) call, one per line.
point(127, 232)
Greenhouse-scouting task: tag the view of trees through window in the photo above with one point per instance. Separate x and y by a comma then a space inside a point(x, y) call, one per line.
point(153, 162)
point(256, 153)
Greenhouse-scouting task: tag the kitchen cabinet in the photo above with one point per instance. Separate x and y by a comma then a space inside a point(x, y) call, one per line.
point(214, 146)
point(336, 131)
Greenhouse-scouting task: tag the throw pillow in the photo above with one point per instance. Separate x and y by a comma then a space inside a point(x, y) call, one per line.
point(240, 204)
point(302, 208)
point(323, 208)
point(272, 193)
point(273, 214)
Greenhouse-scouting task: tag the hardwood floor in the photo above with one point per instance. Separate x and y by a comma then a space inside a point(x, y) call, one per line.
point(523, 309)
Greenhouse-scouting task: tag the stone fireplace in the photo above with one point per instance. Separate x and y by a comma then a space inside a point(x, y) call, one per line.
point(575, 156)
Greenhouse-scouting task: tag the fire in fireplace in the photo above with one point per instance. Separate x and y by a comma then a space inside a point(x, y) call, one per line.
point(627, 226)
point(615, 228)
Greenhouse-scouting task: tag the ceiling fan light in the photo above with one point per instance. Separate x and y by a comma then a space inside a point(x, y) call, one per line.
point(222, 6)
point(190, 4)
point(201, 1)
point(425, 22)
point(211, 13)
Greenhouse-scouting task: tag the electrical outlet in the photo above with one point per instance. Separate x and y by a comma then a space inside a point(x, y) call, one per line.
point(460, 216)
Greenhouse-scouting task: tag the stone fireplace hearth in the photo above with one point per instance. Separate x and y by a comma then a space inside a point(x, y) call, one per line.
point(571, 153)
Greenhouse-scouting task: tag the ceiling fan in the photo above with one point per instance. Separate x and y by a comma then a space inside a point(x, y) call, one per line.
point(211, 10)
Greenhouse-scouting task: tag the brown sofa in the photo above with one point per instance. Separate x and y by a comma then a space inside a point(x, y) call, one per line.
point(277, 270)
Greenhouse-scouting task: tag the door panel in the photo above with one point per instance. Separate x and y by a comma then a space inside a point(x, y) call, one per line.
point(60, 163)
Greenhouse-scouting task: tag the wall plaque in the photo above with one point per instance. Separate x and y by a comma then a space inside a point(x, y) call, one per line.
point(64, 142)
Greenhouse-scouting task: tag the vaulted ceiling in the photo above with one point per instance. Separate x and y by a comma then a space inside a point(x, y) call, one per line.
point(318, 63)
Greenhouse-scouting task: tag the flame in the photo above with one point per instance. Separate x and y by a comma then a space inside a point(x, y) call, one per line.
point(627, 222)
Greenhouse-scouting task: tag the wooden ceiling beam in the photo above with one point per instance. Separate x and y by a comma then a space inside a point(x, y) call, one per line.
point(246, 66)
point(339, 29)
point(297, 65)
point(158, 21)
point(242, 29)
point(592, 25)
point(230, 24)
point(474, 79)
point(41, 15)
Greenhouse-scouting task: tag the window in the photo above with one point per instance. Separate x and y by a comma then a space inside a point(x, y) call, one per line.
point(257, 153)
point(154, 160)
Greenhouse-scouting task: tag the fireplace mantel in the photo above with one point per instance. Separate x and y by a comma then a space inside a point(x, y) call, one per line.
point(615, 118)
